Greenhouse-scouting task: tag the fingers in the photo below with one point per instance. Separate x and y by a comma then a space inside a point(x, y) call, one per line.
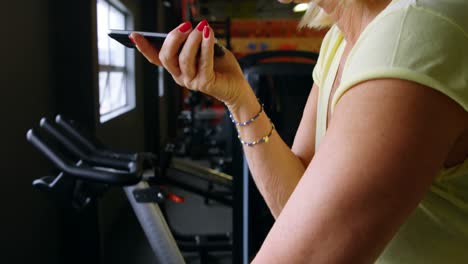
point(206, 62)
point(145, 48)
point(189, 55)
point(170, 50)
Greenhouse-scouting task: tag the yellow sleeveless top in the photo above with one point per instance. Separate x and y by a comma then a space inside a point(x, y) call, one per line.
point(424, 41)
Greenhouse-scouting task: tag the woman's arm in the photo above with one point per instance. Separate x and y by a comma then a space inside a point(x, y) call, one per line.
point(385, 144)
point(304, 141)
point(276, 169)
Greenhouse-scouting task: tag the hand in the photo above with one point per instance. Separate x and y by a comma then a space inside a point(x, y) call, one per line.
point(188, 55)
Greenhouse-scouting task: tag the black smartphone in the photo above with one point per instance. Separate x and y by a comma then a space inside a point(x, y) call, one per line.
point(157, 39)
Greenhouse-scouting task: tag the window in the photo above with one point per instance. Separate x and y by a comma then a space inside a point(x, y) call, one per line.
point(116, 63)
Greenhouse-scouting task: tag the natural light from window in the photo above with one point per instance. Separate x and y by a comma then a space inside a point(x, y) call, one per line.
point(116, 86)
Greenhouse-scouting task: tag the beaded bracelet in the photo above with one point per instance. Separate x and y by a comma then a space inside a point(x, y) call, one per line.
point(264, 139)
point(251, 120)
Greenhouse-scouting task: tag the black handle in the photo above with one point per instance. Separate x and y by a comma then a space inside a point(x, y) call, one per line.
point(91, 174)
point(89, 145)
point(74, 133)
point(77, 150)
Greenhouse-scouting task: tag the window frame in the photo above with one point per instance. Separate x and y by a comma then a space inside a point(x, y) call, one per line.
point(128, 69)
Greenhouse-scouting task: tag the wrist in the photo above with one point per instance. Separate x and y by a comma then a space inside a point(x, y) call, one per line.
point(245, 107)
point(243, 98)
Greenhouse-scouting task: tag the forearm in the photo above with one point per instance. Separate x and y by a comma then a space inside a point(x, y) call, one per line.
point(275, 168)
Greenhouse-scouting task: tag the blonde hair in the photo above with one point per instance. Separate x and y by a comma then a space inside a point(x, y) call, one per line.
point(315, 17)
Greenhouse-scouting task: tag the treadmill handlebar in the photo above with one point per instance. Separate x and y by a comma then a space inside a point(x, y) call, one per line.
point(101, 174)
point(88, 144)
point(77, 150)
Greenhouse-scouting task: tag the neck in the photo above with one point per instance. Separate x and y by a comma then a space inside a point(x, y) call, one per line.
point(353, 18)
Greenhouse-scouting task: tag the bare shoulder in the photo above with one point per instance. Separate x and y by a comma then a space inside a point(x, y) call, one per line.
point(414, 105)
point(386, 142)
point(402, 116)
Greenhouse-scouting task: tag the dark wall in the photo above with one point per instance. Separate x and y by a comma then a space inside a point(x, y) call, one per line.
point(27, 219)
point(45, 70)
point(47, 66)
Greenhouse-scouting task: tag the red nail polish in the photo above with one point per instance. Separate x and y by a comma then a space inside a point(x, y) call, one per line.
point(132, 40)
point(185, 27)
point(202, 25)
point(206, 32)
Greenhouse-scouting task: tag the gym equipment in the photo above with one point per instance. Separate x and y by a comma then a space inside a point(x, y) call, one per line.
point(88, 170)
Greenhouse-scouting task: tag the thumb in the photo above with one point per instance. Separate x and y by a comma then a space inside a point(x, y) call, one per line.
point(145, 48)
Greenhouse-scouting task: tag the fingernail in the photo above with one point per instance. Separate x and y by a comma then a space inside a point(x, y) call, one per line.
point(202, 25)
point(131, 39)
point(206, 32)
point(185, 27)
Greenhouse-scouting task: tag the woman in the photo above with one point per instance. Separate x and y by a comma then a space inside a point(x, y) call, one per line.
point(378, 170)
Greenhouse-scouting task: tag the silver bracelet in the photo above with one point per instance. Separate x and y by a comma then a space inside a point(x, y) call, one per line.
point(251, 120)
point(264, 139)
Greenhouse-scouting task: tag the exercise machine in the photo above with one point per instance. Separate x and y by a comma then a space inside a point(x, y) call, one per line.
point(88, 170)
